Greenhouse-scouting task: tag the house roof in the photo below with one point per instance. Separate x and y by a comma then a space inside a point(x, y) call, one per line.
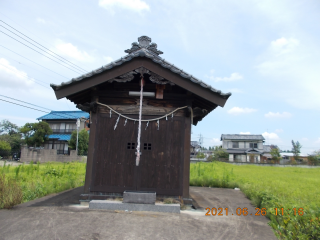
point(55, 115)
point(144, 49)
point(61, 137)
point(242, 137)
point(194, 144)
point(266, 148)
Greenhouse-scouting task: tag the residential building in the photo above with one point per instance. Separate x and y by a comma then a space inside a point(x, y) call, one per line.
point(63, 123)
point(194, 147)
point(243, 147)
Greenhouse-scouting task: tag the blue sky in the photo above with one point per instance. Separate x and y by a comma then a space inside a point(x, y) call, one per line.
point(266, 53)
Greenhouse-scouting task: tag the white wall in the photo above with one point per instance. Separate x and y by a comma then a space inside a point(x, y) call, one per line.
point(231, 157)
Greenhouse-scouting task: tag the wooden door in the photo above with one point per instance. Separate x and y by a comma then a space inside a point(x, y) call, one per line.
point(161, 164)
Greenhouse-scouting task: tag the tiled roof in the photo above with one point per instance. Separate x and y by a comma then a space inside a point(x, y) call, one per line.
point(266, 148)
point(64, 115)
point(61, 137)
point(242, 137)
point(147, 50)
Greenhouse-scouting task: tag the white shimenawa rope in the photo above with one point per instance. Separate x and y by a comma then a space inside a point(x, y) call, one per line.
point(146, 120)
point(139, 128)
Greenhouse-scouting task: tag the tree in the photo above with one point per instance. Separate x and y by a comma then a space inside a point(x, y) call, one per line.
point(8, 127)
point(219, 153)
point(4, 148)
point(83, 141)
point(10, 133)
point(275, 154)
point(36, 134)
point(296, 146)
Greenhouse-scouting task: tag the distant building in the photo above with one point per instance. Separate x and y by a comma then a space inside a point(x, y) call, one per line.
point(194, 147)
point(244, 147)
point(63, 123)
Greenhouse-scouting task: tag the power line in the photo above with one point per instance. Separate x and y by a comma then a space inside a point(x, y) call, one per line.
point(44, 47)
point(23, 105)
point(40, 53)
point(64, 114)
point(37, 109)
point(26, 76)
point(24, 102)
point(34, 62)
point(75, 68)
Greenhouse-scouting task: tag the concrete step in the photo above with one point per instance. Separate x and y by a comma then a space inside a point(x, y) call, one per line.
point(115, 205)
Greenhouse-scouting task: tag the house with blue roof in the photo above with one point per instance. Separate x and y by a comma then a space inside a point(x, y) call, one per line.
point(63, 123)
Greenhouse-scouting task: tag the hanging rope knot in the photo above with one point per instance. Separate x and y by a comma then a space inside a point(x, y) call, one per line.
point(147, 125)
point(125, 122)
point(110, 113)
point(158, 124)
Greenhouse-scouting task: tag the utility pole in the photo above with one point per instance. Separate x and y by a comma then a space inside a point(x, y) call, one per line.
point(78, 125)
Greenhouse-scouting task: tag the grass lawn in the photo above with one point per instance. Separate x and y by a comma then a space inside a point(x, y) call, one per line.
point(28, 182)
point(270, 188)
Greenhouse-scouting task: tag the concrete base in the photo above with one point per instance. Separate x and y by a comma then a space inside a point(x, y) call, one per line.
point(139, 197)
point(114, 205)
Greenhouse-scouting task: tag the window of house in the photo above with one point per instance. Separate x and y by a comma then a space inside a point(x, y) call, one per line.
point(235, 144)
point(253, 145)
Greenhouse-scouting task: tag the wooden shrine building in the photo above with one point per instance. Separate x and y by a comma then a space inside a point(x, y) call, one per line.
point(172, 100)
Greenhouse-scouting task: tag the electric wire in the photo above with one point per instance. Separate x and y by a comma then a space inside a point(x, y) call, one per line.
point(22, 63)
point(61, 115)
point(31, 79)
point(76, 68)
point(22, 105)
point(41, 53)
point(34, 62)
point(45, 47)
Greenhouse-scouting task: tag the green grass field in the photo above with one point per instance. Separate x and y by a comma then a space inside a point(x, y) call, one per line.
point(271, 187)
point(28, 182)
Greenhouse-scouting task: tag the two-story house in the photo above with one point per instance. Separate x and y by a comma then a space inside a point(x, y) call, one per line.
point(63, 123)
point(243, 147)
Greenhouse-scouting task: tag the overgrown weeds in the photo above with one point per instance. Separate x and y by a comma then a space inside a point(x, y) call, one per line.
point(271, 188)
point(27, 182)
point(10, 192)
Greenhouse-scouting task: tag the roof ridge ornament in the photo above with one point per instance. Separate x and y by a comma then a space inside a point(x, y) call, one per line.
point(144, 43)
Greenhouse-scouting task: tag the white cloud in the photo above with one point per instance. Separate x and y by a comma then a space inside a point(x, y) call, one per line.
point(134, 5)
point(283, 45)
point(68, 49)
point(244, 132)
point(238, 110)
point(279, 130)
point(278, 115)
point(11, 77)
point(317, 141)
point(215, 141)
point(291, 65)
point(235, 90)
point(270, 136)
point(108, 59)
point(40, 20)
point(233, 77)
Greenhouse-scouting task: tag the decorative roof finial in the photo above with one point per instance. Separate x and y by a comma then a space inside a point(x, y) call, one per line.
point(144, 43)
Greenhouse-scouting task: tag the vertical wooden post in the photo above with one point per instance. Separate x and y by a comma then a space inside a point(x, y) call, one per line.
point(93, 131)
